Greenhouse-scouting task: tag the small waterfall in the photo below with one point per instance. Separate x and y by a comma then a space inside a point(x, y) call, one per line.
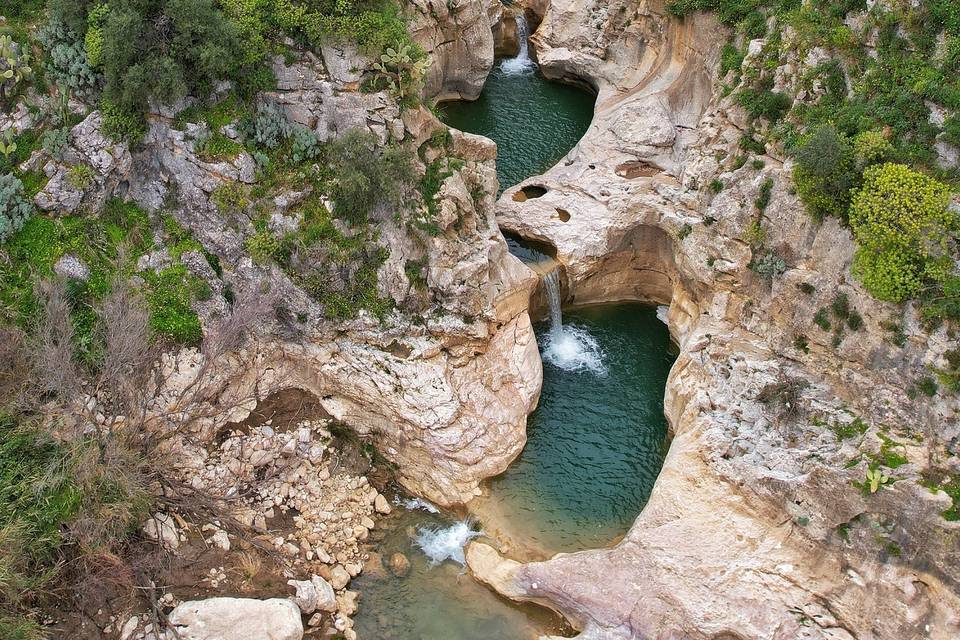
point(570, 348)
point(446, 543)
point(551, 283)
point(522, 62)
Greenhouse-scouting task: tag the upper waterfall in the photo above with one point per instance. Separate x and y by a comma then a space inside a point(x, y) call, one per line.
point(522, 62)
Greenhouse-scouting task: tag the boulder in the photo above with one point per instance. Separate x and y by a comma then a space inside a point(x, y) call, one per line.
point(237, 619)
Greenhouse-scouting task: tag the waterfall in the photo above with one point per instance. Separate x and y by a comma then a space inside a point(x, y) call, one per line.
point(570, 348)
point(445, 543)
point(551, 283)
point(522, 62)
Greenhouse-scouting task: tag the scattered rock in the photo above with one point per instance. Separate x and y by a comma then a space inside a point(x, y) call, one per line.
point(162, 528)
point(381, 505)
point(339, 577)
point(399, 565)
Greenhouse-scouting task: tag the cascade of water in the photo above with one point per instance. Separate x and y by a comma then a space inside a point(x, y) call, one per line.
point(570, 348)
point(446, 543)
point(551, 283)
point(523, 35)
point(522, 62)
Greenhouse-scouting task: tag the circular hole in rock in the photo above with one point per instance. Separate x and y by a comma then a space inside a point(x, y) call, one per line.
point(529, 192)
point(564, 215)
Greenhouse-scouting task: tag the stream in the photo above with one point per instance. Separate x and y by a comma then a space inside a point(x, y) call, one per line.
point(595, 443)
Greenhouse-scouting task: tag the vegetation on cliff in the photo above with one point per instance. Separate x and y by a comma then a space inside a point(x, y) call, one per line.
point(866, 100)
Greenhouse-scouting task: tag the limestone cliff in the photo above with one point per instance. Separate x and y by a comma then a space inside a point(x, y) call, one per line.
point(443, 384)
point(758, 526)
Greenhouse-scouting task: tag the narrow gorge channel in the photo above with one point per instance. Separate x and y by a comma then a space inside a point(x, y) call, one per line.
point(595, 444)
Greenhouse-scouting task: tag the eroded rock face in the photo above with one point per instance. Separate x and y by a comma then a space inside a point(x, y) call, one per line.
point(442, 386)
point(757, 526)
point(456, 35)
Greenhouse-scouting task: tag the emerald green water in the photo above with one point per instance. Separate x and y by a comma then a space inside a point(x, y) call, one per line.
point(595, 444)
point(598, 439)
point(533, 121)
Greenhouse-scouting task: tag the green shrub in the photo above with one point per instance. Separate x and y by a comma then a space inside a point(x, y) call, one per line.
point(217, 146)
point(927, 386)
point(825, 172)
point(121, 124)
point(263, 247)
point(763, 196)
point(230, 198)
point(764, 103)
point(840, 306)
point(872, 147)
point(822, 319)
point(94, 38)
point(164, 49)
point(754, 234)
point(855, 320)
point(901, 221)
point(716, 185)
point(80, 176)
point(367, 177)
point(15, 209)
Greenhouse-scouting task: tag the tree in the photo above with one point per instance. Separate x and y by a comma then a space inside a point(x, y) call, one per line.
point(903, 225)
point(164, 49)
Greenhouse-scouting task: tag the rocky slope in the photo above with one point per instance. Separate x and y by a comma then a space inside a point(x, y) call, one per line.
point(758, 526)
point(461, 345)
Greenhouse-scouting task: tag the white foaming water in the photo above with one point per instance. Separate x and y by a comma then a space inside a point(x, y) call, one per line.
point(522, 63)
point(446, 543)
point(663, 314)
point(410, 504)
point(570, 348)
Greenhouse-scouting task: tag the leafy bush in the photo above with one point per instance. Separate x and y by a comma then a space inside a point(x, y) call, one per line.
point(15, 209)
point(55, 142)
point(304, 144)
point(268, 128)
point(367, 177)
point(121, 124)
point(94, 38)
point(825, 172)
point(764, 103)
point(164, 49)
point(14, 69)
point(902, 223)
point(769, 265)
point(731, 59)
